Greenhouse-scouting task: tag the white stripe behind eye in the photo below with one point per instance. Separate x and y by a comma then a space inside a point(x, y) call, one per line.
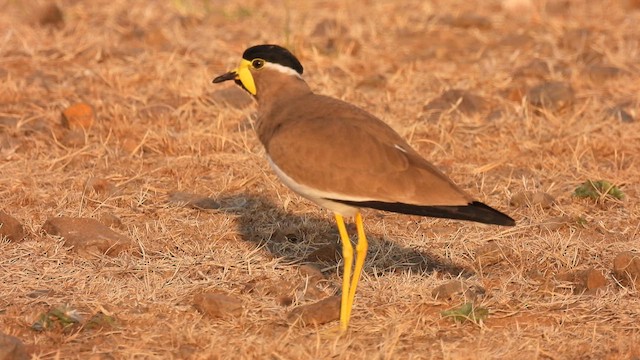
point(282, 69)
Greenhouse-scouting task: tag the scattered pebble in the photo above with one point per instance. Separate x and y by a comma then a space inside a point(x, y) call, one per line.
point(87, 236)
point(78, 116)
point(217, 305)
point(328, 253)
point(312, 272)
point(454, 100)
point(101, 186)
point(556, 223)
point(457, 289)
point(51, 15)
point(321, 312)
point(553, 96)
point(584, 281)
point(11, 348)
point(111, 220)
point(193, 201)
point(626, 268)
point(530, 198)
point(233, 97)
point(40, 293)
point(11, 228)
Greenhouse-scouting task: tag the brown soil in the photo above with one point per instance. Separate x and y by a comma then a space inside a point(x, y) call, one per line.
point(169, 161)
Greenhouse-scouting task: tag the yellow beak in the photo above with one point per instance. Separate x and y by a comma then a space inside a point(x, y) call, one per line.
point(241, 73)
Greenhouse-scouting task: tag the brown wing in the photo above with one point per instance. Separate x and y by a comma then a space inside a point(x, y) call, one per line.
point(337, 148)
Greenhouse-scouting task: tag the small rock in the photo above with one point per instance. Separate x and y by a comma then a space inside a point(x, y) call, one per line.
point(11, 348)
point(530, 198)
point(11, 228)
point(602, 73)
point(218, 305)
point(584, 281)
point(111, 220)
point(328, 253)
point(318, 313)
point(553, 96)
point(78, 116)
point(233, 97)
point(312, 272)
point(556, 223)
point(51, 15)
point(87, 236)
point(457, 288)
point(626, 268)
point(40, 293)
point(490, 254)
point(454, 100)
point(193, 201)
point(592, 280)
point(101, 186)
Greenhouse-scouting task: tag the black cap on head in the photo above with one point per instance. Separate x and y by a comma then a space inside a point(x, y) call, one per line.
point(275, 54)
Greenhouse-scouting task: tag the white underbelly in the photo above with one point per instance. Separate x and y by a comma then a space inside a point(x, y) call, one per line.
point(317, 196)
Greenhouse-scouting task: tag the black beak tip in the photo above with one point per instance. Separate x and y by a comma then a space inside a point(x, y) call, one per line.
point(231, 75)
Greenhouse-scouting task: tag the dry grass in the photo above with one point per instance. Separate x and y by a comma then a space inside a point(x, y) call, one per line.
point(146, 67)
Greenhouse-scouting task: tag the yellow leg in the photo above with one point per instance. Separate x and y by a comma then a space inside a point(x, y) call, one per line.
point(347, 256)
point(361, 255)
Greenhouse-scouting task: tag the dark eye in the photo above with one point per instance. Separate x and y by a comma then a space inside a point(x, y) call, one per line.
point(257, 63)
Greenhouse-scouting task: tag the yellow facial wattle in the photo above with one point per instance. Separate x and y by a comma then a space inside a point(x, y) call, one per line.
point(244, 74)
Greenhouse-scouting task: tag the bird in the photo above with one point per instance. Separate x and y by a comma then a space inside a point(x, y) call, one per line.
point(343, 158)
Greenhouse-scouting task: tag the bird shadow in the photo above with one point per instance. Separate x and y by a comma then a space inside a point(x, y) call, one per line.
point(303, 239)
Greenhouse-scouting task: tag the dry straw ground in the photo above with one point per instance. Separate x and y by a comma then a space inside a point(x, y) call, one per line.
point(162, 129)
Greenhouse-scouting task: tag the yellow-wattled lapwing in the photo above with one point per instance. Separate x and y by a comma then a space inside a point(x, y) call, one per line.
point(343, 158)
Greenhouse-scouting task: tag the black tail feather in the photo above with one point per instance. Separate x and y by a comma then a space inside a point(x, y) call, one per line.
point(475, 211)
